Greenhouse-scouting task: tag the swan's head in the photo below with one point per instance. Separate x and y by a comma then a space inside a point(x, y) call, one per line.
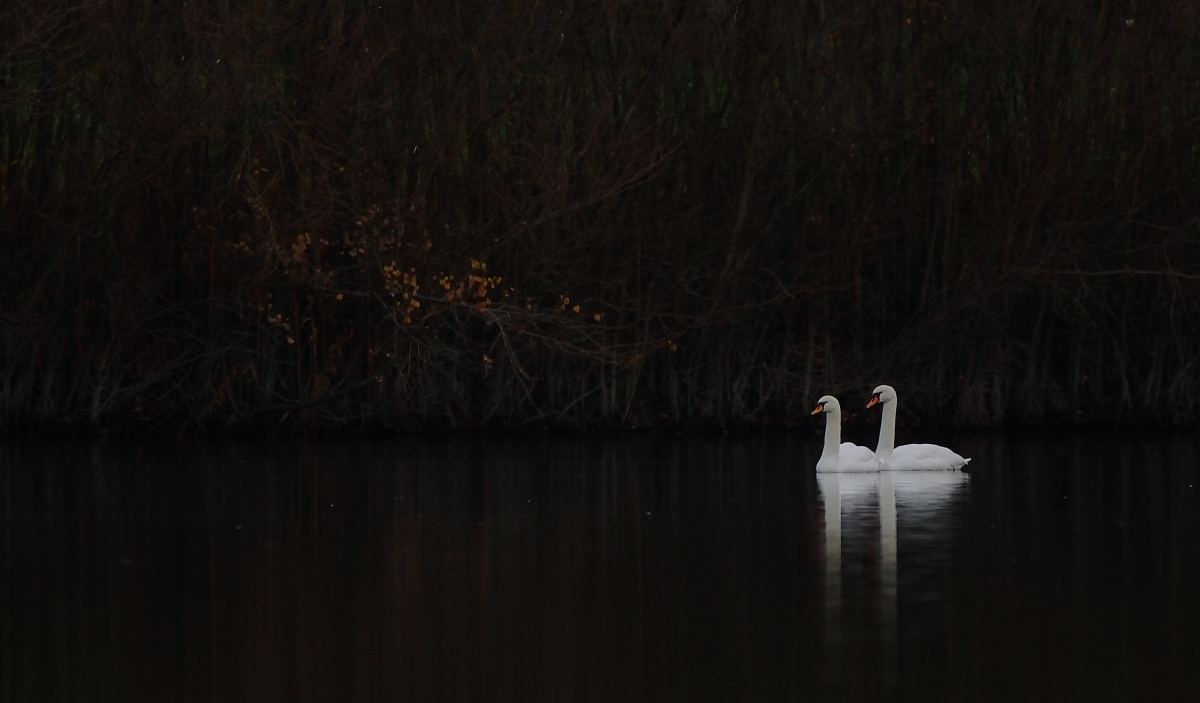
point(882, 394)
point(827, 404)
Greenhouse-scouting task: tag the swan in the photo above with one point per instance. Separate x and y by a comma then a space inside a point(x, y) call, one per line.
point(845, 457)
point(907, 457)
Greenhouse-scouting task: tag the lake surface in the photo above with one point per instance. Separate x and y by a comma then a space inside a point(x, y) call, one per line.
point(599, 569)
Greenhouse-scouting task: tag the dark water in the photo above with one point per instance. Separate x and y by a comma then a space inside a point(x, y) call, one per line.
point(632, 569)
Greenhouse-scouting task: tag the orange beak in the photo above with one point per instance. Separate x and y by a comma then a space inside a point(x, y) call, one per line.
point(818, 410)
point(873, 402)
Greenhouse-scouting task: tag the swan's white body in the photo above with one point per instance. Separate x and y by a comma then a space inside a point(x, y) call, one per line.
point(924, 457)
point(908, 457)
point(838, 456)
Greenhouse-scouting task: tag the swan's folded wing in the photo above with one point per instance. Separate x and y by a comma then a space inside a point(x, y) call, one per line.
point(855, 450)
point(925, 457)
point(856, 458)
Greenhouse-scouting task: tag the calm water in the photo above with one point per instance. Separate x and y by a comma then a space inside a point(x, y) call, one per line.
point(630, 569)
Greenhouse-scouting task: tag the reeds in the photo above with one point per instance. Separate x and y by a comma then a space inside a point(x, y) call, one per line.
point(608, 215)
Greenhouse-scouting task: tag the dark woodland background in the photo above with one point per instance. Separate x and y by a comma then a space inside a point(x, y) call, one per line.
point(467, 213)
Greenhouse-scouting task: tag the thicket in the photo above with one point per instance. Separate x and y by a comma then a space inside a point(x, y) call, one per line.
point(468, 213)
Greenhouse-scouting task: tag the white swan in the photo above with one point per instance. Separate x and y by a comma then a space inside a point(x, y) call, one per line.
point(837, 456)
point(907, 457)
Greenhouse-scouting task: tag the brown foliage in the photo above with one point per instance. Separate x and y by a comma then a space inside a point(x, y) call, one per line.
point(401, 214)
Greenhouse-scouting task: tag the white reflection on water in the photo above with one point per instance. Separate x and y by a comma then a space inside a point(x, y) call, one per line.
point(922, 495)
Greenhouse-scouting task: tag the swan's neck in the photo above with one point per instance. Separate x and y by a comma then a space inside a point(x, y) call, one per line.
point(833, 435)
point(887, 432)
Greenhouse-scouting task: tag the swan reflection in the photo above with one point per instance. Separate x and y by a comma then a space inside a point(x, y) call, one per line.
point(853, 503)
